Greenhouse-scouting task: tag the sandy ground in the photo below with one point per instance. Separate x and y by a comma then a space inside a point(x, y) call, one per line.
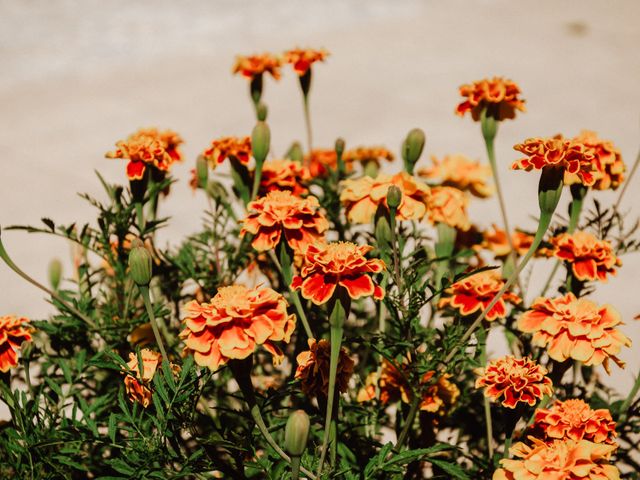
point(77, 76)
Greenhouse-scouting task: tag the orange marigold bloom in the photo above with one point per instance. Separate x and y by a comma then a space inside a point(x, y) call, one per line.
point(474, 293)
point(448, 205)
point(322, 161)
point(221, 148)
point(138, 387)
point(560, 460)
point(234, 323)
point(367, 154)
point(327, 266)
point(499, 93)
point(361, 197)
point(460, 172)
point(148, 147)
point(514, 380)
point(13, 332)
point(574, 157)
point(278, 212)
point(610, 167)
point(302, 59)
point(313, 369)
point(574, 419)
point(251, 66)
point(496, 241)
point(284, 175)
point(575, 328)
point(590, 258)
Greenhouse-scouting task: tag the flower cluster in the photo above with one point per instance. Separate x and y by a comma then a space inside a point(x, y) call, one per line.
point(608, 161)
point(589, 258)
point(313, 369)
point(284, 175)
point(13, 332)
point(225, 147)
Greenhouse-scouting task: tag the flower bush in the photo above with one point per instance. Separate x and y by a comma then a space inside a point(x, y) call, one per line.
point(333, 316)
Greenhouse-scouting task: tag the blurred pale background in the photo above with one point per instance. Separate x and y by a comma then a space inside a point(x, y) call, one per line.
point(77, 76)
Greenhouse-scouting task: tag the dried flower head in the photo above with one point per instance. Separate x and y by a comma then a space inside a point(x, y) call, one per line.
point(222, 148)
point(284, 175)
point(448, 205)
point(514, 380)
point(474, 293)
point(13, 332)
point(460, 172)
point(560, 460)
point(138, 387)
point(365, 155)
point(281, 212)
point(499, 94)
point(573, 419)
point(251, 66)
point(576, 328)
point(302, 59)
point(573, 157)
point(495, 240)
point(313, 369)
point(590, 259)
point(327, 266)
point(234, 323)
point(609, 165)
point(362, 197)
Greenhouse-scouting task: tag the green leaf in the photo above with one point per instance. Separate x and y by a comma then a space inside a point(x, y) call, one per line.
point(452, 469)
point(112, 427)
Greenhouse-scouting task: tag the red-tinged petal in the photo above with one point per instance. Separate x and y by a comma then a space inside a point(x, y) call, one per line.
point(318, 288)
point(135, 170)
point(357, 287)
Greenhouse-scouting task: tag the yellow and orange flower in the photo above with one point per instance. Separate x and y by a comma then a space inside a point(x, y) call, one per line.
point(560, 460)
point(222, 148)
point(281, 212)
point(338, 264)
point(496, 241)
point(138, 387)
point(590, 259)
point(573, 419)
point(322, 161)
point(313, 369)
point(148, 147)
point(474, 293)
point(609, 164)
point(234, 323)
point(460, 172)
point(576, 328)
point(302, 59)
point(250, 66)
point(13, 332)
point(497, 93)
point(514, 380)
point(284, 175)
point(365, 155)
point(558, 152)
point(362, 197)
point(448, 205)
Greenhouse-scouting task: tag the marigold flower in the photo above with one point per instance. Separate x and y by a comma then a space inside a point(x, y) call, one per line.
point(13, 332)
point(574, 157)
point(610, 167)
point(460, 172)
point(474, 293)
point(138, 387)
point(590, 258)
point(573, 419)
point(513, 381)
point(575, 328)
point(302, 59)
point(278, 212)
point(221, 148)
point(284, 175)
point(560, 460)
point(496, 241)
point(234, 323)
point(148, 147)
point(362, 197)
point(327, 266)
point(499, 93)
point(313, 369)
point(448, 205)
point(368, 154)
point(251, 66)
point(322, 161)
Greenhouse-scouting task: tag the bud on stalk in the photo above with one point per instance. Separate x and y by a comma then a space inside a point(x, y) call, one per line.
point(296, 433)
point(55, 273)
point(140, 264)
point(202, 172)
point(394, 197)
point(412, 149)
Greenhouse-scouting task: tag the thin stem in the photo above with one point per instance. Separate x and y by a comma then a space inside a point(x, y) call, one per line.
point(140, 216)
point(295, 468)
point(307, 121)
point(152, 318)
point(396, 254)
point(216, 254)
point(624, 408)
point(626, 184)
point(481, 336)
point(408, 422)
point(257, 175)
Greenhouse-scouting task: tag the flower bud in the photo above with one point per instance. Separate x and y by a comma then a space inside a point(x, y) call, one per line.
point(55, 273)
point(339, 146)
point(383, 233)
point(295, 152)
point(260, 140)
point(140, 264)
point(394, 197)
point(261, 112)
point(296, 433)
point(202, 172)
point(412, 148)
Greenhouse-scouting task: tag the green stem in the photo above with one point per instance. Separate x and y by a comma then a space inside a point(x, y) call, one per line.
point(140, 217)
point(408, 422)
point(394, 243)
point(5, 257)
point(144, 291)
point(624, 408)
point(307, 121)
point(481, 336)
point(295, 468)
point(257, 175)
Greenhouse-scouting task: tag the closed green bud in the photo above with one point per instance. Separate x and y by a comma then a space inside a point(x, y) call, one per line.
point(383, 233)
point(394, 197)
point(260, 141)
point(55, 273)
point(412, 148)
point(339, 146)
point(261, 112)
point(296, 433)
point(202, 172)
point(140, 264)
point(295, 153)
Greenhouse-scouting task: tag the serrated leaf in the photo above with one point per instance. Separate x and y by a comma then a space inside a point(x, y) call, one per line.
point(451, 468)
